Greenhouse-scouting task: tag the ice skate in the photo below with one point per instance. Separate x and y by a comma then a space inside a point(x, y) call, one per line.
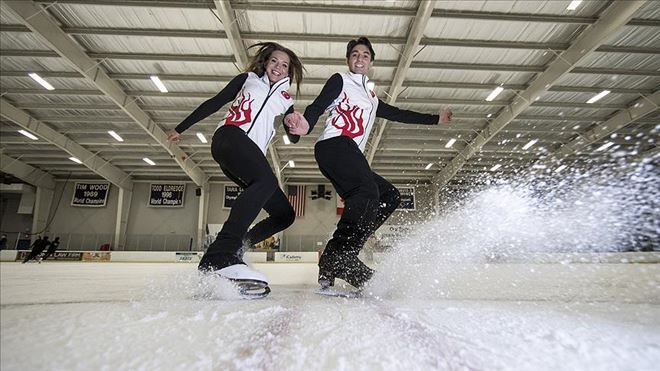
point(251, 284)
point(346, 267)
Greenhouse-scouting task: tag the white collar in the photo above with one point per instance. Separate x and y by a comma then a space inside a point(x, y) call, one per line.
point(265, 79)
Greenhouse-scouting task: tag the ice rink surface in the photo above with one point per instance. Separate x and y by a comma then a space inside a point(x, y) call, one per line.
point(132, 316)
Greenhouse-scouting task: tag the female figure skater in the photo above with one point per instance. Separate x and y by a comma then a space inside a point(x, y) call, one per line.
point(239, 146)
point(369, 199)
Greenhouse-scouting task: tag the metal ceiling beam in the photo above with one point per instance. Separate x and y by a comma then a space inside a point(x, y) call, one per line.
point(334, 62)
point(415, 34)
point(39, 22)
point(95, 163)
point(310, 98)
point(352, 9)
point(27, 173)
point(283, 36)
point(233, 34)
point(322, 81)
point(638, 109)
point(612, 19)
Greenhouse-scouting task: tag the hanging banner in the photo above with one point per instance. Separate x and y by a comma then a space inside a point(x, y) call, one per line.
point(231, 192)
point(407, 198)
point(90, 194)
point(167, 194)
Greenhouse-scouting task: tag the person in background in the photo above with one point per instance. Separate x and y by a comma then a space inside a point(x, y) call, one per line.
point(239, 146)
point(3, 241)
point(38, 247)
point(52, 247)
point(353, 106)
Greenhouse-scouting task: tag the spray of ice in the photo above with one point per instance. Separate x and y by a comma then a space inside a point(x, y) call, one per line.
point(605, 208)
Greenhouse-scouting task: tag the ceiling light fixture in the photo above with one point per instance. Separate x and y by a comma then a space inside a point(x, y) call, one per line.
point(28, 134)
point(598, 96)
point(573, 5)
point(530, 143)
point(159, 84)
point(115, 135)
point(494, 93)
point(41, 81)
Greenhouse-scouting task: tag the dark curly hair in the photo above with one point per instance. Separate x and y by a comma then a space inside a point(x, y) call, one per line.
point(360, 41)
point(258, 62)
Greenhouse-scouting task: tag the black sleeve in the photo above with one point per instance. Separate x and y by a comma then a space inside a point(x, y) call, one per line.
point(214, 104)
point(329, 93)
point(292, 137)
point(407, 117)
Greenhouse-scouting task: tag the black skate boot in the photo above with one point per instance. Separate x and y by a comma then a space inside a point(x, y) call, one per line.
point(345, 266)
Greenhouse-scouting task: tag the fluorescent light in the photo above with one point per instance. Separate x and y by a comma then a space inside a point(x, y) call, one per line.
point(41, 81)
point(489, 115)
point(598, 96)
point(28, 134)
point(605, 146)
point(494, 93)
point(286, 139)
point(530, 143)
point(450, 143)
point(428, 166)
point(115, 135)
point(159, 84)
point(495, 167)
point(560, 168)
point(75, 159)
point(292, 164)
point(573, 5)
point(202, 138)
point(535, 166)
point(147, 160)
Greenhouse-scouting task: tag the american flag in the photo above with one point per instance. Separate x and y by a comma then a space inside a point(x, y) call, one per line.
point(297, 199)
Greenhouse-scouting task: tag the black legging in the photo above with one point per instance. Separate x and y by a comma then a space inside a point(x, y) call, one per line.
point(244, 163)
point(369, 198)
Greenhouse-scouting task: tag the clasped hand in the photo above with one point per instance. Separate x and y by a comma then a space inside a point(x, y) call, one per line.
point(296, 123)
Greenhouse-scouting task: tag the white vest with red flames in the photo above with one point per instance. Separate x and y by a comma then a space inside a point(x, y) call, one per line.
point(255, 107)
point(353, 113)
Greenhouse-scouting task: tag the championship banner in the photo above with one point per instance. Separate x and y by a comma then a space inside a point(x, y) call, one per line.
point(407, 198)
point(166, 194)
point(231, 192)
point(90, 194)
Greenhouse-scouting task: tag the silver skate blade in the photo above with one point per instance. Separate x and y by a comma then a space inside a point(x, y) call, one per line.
point(331, 291)
point(252, 289)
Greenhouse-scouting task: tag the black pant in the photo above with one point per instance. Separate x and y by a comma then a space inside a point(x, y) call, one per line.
point(369, 198)
point(244, 163)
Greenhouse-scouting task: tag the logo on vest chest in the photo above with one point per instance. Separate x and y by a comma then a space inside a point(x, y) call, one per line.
point(352, 122)
point(240, 112)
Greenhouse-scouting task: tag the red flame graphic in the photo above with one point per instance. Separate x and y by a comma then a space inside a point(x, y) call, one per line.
point(352, 124)
point(240, 112)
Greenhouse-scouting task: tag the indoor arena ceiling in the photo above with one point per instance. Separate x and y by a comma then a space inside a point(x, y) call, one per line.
point(549, 60)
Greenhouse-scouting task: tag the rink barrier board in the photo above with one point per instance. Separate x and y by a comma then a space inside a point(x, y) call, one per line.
point(312, 257)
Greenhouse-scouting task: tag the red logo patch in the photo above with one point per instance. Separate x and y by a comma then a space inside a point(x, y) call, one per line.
point(286, 94)
point(240, 112)
point(352, 124)
point(373, 93)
